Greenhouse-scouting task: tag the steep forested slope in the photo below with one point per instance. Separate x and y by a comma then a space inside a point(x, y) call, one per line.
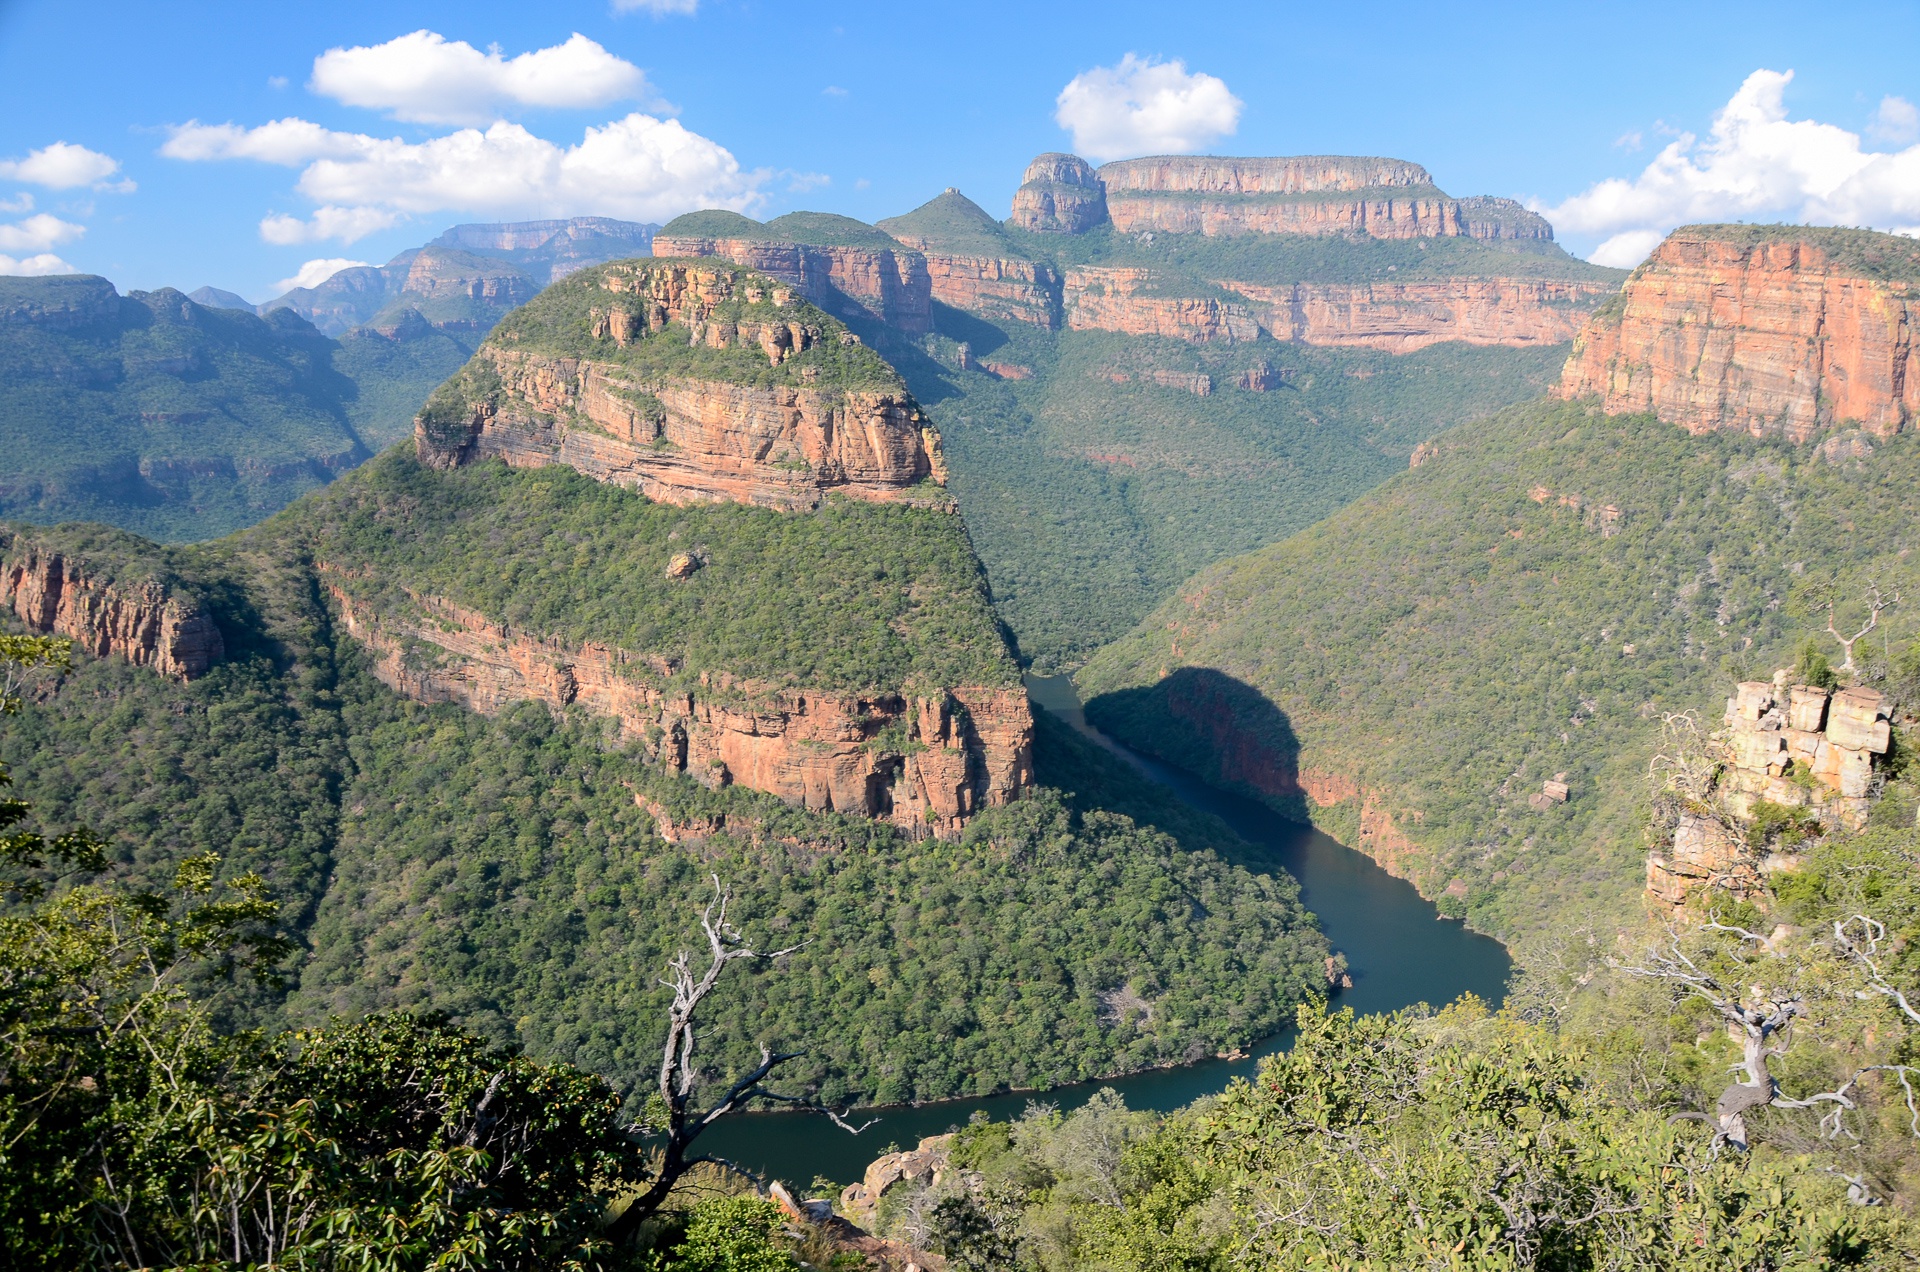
point(1526, 602)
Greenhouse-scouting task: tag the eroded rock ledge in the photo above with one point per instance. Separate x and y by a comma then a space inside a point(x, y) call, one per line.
point(681, 439)
point(142, 621)
point(927, 762)
point(1768, 330)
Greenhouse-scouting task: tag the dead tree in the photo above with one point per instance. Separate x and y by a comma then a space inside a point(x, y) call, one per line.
point(1764, 1027)
point(1877, 603)
point(680, 1076)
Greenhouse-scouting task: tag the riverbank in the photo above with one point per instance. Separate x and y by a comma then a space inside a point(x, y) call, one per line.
point(1399, 951)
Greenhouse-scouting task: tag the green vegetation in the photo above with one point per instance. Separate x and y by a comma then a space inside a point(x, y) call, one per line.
point(855, 596)
point(824, 229)
point(500, 868)
point(1887, 257)
point(393, 375)
point(1277, 259)
point(1090, 500)
point(1521, 605)
point(559, 322)
point(951, 222)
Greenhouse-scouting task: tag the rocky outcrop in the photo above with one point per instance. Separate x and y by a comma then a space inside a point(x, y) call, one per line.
point(929, 1160)
point(1802, 748)
point(1403, 317)
point(682, 439)
point(1491, 219)
point(894, 287)
point(1395, 317)
point(143, 621)
point(1288, 174)
point(1383, 215)
point(997, 288)
point(1761, 330)
point(1059, 194)
point(926, 762)
point(1126, 300)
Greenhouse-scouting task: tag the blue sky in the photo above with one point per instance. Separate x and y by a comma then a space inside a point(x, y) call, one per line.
point(869, 109)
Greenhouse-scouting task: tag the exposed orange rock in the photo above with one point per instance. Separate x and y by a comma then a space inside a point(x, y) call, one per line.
point(1734, 327)
point(1395, 317)
point(1381, 216)
point(688, 440)
point(997, 288)
point(1122, 299)
point(1403, 317)
point(966, 748)
point(1059, 193)
point(892, 286)
point(1286, 174)
point(142, 622)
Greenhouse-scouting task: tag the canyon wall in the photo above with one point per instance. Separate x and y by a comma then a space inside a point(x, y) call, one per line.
point(684, 439)
point(925, 762)
point(1287, 174)
point(1059, 194)
point(142, 621)
point(997, 288)
point(894, 287)
point(1396, 317)
point(1382, 215)
point(1766, 332)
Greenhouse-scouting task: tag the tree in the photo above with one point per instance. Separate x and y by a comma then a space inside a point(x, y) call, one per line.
point(1825, 593)
point(673, 1110)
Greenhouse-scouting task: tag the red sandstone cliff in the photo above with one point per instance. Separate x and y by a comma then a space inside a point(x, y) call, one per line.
point(140, 621)
point(684, 439)
point(892, 286)
point(967, 748)
point(1760, 330)
point(997, 288)
point(1059, 193)
point(1396, 317)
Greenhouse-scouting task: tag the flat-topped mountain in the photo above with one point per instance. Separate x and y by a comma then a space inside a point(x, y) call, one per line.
point(1766, 329)
point(550, 250)
point(688, 381)
point(845, 266)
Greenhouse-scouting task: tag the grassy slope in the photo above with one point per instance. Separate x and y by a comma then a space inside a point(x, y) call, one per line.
point(500, 869)
point(857, 596)
point(1455, 642)
point(1089, 501)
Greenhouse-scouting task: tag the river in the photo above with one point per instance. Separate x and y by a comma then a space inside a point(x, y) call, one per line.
point(1399, 951)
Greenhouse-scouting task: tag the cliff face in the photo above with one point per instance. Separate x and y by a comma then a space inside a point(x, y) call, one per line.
point(1121, 299)
point(1290, 174)
point(682, 438)
point(1734, 327)
point(1059, 193)
point(894, 287)
point(1396, 317)
point(1402, 317)
point(997, 288)
point(1385, 215)
point(926, 763)
point(142, 622)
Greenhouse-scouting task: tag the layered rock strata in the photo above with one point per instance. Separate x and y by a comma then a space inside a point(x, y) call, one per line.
point(926, 762)
point(997, 288)
point(1301, 194)
point(684, 439)
point(1792, 746)
point(142, 621)
point(1767, 333)
point(1061, 194)
point(894, 287)
point(1395, 317)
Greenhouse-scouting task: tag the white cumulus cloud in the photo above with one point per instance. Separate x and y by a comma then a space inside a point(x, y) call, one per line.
point(315, 272)
point(639, 168)
point(1755, 164)
point(63, 166)
point(38, 233)
point(349, 225)
point(426, 78)
point(1145, 107)
point(34, 266)
point(1896, 121)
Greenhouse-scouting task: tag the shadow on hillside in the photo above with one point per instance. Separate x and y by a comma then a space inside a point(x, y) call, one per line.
point(1222, 730)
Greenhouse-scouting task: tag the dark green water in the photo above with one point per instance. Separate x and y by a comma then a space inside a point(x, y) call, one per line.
point(1399, 950)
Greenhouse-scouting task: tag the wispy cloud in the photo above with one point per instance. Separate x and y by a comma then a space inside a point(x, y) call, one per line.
point(63, 166)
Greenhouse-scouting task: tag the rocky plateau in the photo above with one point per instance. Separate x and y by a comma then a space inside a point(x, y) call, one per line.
point(142, 621)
